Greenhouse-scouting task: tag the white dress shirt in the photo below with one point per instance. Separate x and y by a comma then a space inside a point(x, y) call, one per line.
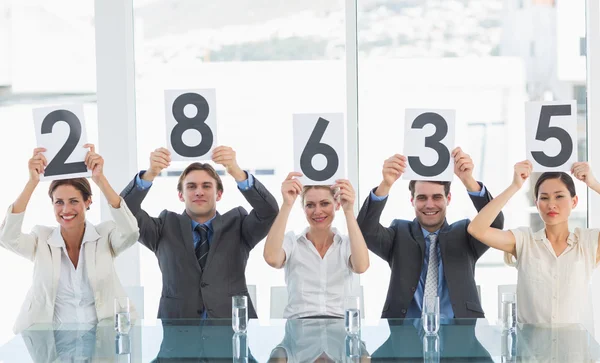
point(317, 286)
point(555, 289)
point(74, 295)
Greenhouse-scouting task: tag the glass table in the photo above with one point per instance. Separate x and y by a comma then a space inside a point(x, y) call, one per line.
point(304, 340)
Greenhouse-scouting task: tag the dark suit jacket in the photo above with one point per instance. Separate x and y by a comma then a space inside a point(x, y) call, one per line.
point(402, 245)
point(187, 290)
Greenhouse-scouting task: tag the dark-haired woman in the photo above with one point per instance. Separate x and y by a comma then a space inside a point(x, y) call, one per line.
point(74, 280)
point(555, 265)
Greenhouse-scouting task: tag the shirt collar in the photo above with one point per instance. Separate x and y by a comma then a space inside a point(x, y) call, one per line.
point(208, 223)
point(90, 235)
point(427, 233)
point(336, 235)
point(541, 235)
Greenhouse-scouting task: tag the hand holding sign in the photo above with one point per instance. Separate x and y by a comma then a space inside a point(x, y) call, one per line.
point(191, 123)
point(37, 164)
point(224, 155)
point(551, 148)
point(428, 139)
point(522, 171)
point(319, 148)
point(583, 172)
point(291, 188)
point(61, 131)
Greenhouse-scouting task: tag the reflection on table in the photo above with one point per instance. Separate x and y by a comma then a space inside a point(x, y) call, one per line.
point(302, 340)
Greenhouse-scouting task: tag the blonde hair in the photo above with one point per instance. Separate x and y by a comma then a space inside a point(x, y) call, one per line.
point(306, 188)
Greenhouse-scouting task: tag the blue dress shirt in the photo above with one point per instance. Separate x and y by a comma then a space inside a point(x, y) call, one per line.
point(415, 308)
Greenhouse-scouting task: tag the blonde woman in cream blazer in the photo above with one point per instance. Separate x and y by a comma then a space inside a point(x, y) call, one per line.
point(74, 280)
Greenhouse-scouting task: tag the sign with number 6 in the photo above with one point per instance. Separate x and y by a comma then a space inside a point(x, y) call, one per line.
point(319, 148)
point(61, 130)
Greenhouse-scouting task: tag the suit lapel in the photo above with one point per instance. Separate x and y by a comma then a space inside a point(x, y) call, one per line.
point(56, 253)
point(90, 262)
point(442, 239)
point(217, 226)
point(185, 224)
point(415, 229)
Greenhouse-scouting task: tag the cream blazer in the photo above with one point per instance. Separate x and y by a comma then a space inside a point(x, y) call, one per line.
point(109, 239)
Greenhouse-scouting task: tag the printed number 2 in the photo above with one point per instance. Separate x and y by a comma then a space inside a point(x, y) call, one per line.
point(545, 132)
point(185, 123)
point(58, 166)
point(313, 147)
point(432, 142)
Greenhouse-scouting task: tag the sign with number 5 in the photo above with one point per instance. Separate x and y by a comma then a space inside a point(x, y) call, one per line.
point(551, 131)
point(61, 130)
point(319, 148)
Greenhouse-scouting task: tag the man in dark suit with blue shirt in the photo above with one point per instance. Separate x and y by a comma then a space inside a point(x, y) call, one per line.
point(427, 256)
point(202, 254)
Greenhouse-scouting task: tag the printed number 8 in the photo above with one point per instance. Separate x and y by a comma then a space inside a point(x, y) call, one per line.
point(185, 123)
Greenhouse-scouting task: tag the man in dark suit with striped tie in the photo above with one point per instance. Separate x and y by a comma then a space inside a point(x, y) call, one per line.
point(202, 254)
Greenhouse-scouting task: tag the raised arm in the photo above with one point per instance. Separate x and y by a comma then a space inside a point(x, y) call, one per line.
point(480, 226)
point(257, 223)
point(274, 253)
point(126, 231)
point(380, 239)
point(11, 236)
point(135, 192)
point(359, 253)
point(582, 171)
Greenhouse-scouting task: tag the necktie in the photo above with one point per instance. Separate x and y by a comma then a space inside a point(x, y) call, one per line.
point(431, 281)
point(202, 246)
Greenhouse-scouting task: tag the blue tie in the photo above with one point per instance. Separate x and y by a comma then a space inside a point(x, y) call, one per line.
point(202, 246)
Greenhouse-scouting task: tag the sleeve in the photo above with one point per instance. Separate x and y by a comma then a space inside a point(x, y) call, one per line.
point(480, 193)
point(589, 239)
point(522, 236)
point(377, 198)
point(13, 239)
point(347, 252)
point(140, 183)
point(289, 244)
point(126, 231)
point(246, 184)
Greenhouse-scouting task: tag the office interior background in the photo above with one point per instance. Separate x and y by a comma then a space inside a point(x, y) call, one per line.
point(269, 59)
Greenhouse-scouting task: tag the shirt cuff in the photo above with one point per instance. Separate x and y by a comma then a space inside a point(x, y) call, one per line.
point(480, 193)
point(140, 183)
point(377, 198)
point(246, 184)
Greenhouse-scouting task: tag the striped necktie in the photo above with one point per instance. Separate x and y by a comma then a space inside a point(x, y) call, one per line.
point(202, 246)
point(431, 281)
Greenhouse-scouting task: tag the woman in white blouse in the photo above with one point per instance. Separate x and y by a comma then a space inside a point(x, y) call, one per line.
point(320, 262)
point(554, 265)
point(74, 280)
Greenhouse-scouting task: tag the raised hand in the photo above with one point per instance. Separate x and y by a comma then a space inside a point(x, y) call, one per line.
point(159, 160)
point(345, 194)
point(94, 162)
point(37, 164)
point(224, 155)
point(582, 171)
point(291, 188)
point(463, 164)
point(393, 168)
point(522, 171)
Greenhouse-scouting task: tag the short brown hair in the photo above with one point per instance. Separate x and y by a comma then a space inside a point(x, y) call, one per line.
point(81, 184)
point(306, 188)
point(446, 184)
point(200, 166)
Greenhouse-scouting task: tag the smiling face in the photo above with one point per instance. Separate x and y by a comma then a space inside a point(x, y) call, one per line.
point(200, 195)
point(69, 206)
point(554, 202)
point(319, 207)
point(430, 202)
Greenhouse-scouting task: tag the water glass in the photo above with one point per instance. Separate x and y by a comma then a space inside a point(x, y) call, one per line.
point(122, 317)
point(352, 347)
point(431, 349)
point(431, 315)
point(352, 315)
point(123, 348)
point(508, 346)
point(509, 311)
point(239, 346)
point(239, 313)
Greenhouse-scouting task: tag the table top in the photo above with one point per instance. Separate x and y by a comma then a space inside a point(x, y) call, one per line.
point(302, 340)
